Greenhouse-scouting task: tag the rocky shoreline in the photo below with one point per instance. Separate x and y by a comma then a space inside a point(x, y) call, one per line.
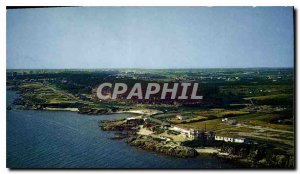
point(151, 144)
point(238, 153)
point(146, 142)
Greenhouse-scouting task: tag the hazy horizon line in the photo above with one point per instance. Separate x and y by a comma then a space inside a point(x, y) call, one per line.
point(145, 68)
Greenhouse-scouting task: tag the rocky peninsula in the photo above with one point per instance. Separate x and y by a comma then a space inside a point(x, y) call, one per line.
point(151, 144)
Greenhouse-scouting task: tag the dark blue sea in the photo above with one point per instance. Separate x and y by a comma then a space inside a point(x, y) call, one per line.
point(54, 139)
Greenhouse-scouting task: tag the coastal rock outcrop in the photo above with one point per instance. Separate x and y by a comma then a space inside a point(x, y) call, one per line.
point(151, 144)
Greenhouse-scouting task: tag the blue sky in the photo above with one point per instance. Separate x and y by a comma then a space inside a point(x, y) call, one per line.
point(150, 37)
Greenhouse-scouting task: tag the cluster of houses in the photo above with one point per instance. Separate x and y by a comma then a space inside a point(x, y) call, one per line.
point(188, 133)
point(204, 135)
point(230, 139)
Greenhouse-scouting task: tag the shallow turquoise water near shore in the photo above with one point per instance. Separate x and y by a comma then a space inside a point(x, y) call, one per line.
point(55, 139)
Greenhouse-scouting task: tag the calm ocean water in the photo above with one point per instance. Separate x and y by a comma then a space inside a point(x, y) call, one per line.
point(44, 139)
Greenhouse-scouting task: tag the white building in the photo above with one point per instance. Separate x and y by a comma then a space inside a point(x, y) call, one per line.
point(179, 117)
point(230, 139)
point(239, 140)
point(219, 138)
point(224, 119)
point(187, 132)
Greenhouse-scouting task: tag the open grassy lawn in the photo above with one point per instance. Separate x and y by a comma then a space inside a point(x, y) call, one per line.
point(200, 116)
point(271, 97)
point(252, 126)
point(47, 94)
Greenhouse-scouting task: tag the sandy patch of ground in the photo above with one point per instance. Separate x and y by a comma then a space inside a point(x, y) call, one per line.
point(144, 131)
point(144, 111)
point(175, 138)
point(207, 150)
point(62, 109)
